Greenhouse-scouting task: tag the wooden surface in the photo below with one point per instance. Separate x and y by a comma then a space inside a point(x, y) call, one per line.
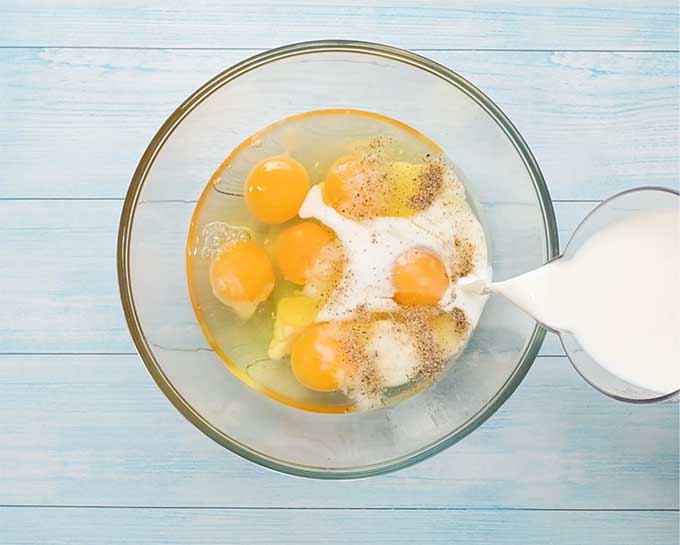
point(118, 99)
point(315, 526)
point(93, 453)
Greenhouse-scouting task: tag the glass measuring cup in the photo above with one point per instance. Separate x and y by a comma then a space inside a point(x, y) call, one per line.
point(615, 208)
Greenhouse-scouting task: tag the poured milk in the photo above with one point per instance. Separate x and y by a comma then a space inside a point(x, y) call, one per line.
point(619, 295)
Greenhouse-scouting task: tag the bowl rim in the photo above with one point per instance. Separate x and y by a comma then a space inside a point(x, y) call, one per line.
point(146, 163)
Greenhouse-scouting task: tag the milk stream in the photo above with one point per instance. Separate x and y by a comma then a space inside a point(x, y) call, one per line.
point(619, 295)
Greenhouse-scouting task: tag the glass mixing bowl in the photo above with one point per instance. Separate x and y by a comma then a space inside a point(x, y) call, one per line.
point(502, 179)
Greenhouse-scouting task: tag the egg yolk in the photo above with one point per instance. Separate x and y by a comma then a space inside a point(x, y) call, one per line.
point(317, 359)
point(342, 181)
point(275, 188)
point(419, 278)
point(242, 276)
point(298, 249)
point(352, 189)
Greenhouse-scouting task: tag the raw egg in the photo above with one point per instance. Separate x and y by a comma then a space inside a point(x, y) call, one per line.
point(275, 189)
point(317, 359)
point(351, 187)
point(241, 276)
point(419, 278)
point(298, 249)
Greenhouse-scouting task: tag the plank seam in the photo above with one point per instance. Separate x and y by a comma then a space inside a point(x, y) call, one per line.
point(434, 509)
point(415, 49)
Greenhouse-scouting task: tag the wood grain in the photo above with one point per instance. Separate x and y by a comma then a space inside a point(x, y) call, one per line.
point(97, 431)
point(77, 121)
point(60, 261)
point(572, 24)
point(159, 527)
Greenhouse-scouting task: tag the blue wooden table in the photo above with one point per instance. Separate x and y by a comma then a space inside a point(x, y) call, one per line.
point(93, 453)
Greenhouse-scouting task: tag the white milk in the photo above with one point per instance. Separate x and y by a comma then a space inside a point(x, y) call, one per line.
point(619, 295)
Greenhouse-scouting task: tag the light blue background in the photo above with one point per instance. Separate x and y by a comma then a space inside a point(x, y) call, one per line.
point(93, 453)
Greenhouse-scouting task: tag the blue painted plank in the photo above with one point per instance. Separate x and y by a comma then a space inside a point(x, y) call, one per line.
point(60, 292)
point(535, 24)
point(298, 527)
point(95, 430)
point(61, 268)
point(75, 122)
